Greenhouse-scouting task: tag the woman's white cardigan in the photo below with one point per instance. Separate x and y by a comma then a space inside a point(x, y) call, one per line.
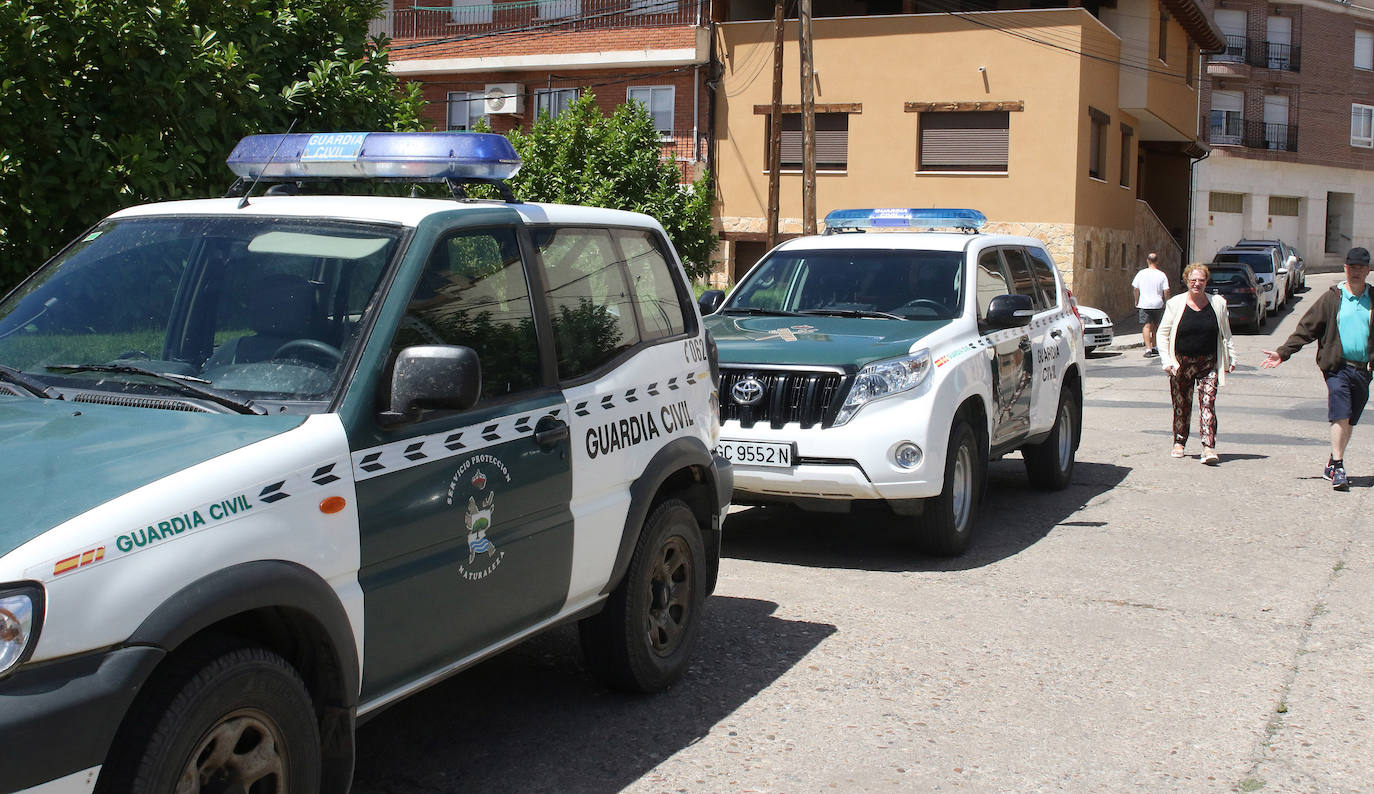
point(1168, 329)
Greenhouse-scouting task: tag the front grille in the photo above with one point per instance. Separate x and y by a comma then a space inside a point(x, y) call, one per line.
point(808, 398)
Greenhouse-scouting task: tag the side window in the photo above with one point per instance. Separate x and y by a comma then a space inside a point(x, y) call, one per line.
point(655, 288)
point(473, 292)
point(1023, 283)
point(589, 298)
point(1043, 267)
point(992, 280)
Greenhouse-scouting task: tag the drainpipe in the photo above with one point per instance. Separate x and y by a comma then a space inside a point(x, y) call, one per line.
point(1192, 199)
point(696, 110)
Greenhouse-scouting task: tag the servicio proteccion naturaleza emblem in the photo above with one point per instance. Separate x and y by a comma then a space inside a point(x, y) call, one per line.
point(472, 481)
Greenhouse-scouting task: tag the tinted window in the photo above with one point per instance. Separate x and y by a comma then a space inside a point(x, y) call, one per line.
point(1022, 281)
point(1043, 268)
point(473, 292)
point(655, 288)
point(1259, 261)
point(589, 296)
point(992, 280)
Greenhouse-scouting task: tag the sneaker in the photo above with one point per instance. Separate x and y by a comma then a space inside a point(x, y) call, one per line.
point(1326, 473)
point(1209, 457)
point(1339, 482)
point(1151, 353)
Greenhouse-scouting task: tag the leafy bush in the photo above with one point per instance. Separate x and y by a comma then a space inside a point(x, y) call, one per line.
point(109, 103)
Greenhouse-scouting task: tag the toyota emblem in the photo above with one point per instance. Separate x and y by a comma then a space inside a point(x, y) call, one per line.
point(747, 390)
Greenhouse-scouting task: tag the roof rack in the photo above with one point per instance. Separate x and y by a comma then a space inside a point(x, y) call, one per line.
point(452, 158)
point(899, 218)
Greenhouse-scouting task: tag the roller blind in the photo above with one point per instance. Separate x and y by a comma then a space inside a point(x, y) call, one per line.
point(964, 141)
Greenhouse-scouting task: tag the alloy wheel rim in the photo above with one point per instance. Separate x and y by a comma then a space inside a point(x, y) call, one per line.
point(242, 752)
point(670, 597)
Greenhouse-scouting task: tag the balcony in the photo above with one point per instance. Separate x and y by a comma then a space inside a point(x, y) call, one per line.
point(523, 16)
point(1229, 130)
point(1259, 53)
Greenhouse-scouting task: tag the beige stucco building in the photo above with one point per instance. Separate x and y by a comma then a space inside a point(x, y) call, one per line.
point(1073, 127)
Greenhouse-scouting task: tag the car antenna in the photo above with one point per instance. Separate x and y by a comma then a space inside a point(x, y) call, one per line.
point(243, 202)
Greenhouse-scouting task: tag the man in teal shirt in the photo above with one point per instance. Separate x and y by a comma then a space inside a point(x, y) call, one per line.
point(1340, 322)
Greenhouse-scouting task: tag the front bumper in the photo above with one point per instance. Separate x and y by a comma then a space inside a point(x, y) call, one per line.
point(1097, 336)
point(60, 718)
point(853, 461)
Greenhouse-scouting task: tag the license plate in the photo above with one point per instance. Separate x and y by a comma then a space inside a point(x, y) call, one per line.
point(758, 453)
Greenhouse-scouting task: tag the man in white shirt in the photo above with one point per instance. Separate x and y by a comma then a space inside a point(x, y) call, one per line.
point(1151, 287)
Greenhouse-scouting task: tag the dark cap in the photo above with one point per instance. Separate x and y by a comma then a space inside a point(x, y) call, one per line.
point(1358, 256)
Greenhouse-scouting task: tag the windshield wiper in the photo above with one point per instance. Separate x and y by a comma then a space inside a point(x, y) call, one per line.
point(31, 385)
point(851, 313)
point(757, 311)
point(186, 383)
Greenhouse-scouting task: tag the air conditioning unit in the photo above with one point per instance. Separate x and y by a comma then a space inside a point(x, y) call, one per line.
point(504, 98)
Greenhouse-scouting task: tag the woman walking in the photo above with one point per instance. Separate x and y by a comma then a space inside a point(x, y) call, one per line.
point(1196, 351)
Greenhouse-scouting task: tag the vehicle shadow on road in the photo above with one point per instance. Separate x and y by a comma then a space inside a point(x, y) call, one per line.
point(1014, 516)
point(532, 719)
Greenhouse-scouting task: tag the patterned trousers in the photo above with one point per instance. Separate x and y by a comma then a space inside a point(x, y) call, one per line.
point(1202, 372)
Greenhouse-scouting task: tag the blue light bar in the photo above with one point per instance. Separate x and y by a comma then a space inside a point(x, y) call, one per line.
point(421, 156)
point(905, 218)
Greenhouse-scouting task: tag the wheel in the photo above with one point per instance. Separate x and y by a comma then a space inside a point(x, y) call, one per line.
point(333, 354)
point(1049, 464)
point(946, 524)
point(642, 640)
point(227, 719)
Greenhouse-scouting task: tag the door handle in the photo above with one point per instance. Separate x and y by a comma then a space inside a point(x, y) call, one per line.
point(1057, 334)
point(550, 432)
point(1024, 344)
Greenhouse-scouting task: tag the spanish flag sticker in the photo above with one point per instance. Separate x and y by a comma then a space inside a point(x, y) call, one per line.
point(77, 560)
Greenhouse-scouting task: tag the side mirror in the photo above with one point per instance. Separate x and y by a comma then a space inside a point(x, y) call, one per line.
point(1010, 311)
point(432, 376)
point(711, 300)
point(1268, 286)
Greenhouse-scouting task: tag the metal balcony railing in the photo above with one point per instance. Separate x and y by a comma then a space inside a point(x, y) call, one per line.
point(513, 16)
point(1259, 53)
point(1229, 130)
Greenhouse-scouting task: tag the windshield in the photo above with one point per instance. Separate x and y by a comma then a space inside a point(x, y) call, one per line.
point(253, 308)
point(905, 285)
point(1259, 261)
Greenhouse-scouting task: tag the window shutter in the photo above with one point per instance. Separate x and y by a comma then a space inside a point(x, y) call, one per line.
point(977, 140)
point(1364, 50)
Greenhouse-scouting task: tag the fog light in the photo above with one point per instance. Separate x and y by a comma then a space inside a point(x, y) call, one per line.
point(907, 455)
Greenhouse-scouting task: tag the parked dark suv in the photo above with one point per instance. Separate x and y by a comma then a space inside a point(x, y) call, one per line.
point(1288, 255)
point(1268, 269)
point(1243, 292)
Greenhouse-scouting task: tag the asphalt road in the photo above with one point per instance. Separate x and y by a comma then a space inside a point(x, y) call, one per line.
point(1158, 626)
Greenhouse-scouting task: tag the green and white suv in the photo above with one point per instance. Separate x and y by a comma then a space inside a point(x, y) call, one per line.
point(892, 367)
point(273, 462)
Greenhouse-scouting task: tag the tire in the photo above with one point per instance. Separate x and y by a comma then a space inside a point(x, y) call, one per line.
point(946, 524)
point(228, 719)
point(1263, 317)
point(1049, 464)
point(642, 640)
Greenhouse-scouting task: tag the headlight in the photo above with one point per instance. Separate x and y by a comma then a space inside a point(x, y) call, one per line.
point(884, 379)
point(21, 614)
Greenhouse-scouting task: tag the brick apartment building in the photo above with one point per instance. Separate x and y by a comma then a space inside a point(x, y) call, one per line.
point(1291, 127)
point(507, 60)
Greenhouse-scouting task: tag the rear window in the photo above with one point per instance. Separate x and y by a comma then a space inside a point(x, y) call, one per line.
point(1259, 261)
point(1228, 278)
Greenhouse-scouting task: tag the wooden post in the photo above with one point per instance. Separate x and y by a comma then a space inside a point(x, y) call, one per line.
point(808, 109)
point(775, 133)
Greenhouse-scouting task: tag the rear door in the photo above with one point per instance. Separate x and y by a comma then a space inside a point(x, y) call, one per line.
point(1054, 347)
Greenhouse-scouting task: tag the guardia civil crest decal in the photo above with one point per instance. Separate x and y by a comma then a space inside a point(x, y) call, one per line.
point(473, 490)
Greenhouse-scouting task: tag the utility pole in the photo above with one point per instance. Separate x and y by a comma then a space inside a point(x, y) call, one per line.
point(775, 133)
point(808, 109)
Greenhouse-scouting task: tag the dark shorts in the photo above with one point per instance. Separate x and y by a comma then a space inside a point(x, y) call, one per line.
point(1347, 391)
point(1151, 316)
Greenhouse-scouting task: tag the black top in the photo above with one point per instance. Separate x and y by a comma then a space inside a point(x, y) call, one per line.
point(1197, 332)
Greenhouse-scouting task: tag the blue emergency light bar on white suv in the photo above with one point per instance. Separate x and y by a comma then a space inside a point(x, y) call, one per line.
point(419, 156)
point(905, 218)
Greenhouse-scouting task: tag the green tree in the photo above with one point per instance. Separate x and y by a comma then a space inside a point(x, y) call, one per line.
point(108, 103)
point(585, 157)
